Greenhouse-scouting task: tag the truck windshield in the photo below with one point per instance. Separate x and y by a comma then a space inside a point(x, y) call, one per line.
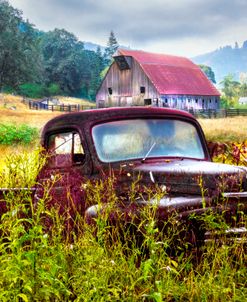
point(145, 138)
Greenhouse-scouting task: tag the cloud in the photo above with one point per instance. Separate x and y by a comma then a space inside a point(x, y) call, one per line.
point(141, 21)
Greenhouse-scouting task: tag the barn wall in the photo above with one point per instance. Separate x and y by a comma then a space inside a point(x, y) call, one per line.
point(119, 82)
point(187, 102)
point(125, 85)
point(139, 79)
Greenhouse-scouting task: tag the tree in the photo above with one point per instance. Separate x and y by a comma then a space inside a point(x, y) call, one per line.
point(97, 65)
point(68, 64)
point(37, 64)
point(64, 60)
point(230, 87)
point(243, 84)
point(112, 46)
point(208, 72)
point(19, 56)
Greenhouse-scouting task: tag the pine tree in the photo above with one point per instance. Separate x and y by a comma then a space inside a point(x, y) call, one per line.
point(112, 46)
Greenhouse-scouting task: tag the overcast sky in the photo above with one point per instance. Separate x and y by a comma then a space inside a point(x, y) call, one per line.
point(179, 27)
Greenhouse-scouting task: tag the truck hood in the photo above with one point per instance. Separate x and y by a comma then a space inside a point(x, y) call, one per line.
point(193, 176)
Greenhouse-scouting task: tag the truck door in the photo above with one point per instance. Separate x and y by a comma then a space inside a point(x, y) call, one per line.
point(68, 168)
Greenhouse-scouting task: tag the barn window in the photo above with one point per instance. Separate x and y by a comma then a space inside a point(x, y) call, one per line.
point(147, 102)
point(156, 101)
point(110, 90)
point(123, 63)
point(142, 89)
point(165, 103)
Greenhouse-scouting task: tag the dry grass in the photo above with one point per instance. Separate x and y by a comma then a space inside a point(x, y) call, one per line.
point(231, 129)
point(11, 102)
point(30, 117)
point(14, 103)
point(75, 101)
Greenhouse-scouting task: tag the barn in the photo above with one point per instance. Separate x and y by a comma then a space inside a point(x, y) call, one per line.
point(138, 78)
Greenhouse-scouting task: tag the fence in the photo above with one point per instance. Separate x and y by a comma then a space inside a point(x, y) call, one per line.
point(217, 113)
point(198, 113)
point(57, 107)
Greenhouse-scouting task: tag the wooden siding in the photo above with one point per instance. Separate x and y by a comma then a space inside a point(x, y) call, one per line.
point(187, 102)
point(120, 83)
point(125, 85)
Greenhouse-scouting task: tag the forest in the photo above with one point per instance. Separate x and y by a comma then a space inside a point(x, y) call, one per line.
point(34, 63)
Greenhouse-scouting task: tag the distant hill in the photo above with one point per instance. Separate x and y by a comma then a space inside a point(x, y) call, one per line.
point(225, 60)
point(93, 46)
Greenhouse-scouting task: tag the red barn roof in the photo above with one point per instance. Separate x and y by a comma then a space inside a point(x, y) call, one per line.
point(172, 74)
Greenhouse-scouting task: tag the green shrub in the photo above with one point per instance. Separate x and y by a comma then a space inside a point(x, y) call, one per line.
point(8, 89)
point(33, 90)
point(53, 89)
point(17, 134)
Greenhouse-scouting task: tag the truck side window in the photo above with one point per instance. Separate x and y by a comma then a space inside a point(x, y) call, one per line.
point(65, 149)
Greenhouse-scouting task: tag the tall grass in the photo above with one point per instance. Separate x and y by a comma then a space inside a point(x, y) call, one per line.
point(101, 262)
point(30, 118)
point(225, 130)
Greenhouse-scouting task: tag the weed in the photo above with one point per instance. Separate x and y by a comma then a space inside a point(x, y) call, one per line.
point(106, 262)
point(12, 134)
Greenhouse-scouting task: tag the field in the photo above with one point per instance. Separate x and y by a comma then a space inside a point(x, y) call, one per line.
point(12, 110)
point(58, 263)
point(233, 129)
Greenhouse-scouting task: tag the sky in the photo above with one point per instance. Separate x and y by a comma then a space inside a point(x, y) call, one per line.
point(179, 27)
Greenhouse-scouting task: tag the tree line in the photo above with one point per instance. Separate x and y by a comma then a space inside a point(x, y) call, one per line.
point(36, 63)
point(232, 90)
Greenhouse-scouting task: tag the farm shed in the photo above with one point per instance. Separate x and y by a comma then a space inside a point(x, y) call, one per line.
point(242, 100)
point(138, 78)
